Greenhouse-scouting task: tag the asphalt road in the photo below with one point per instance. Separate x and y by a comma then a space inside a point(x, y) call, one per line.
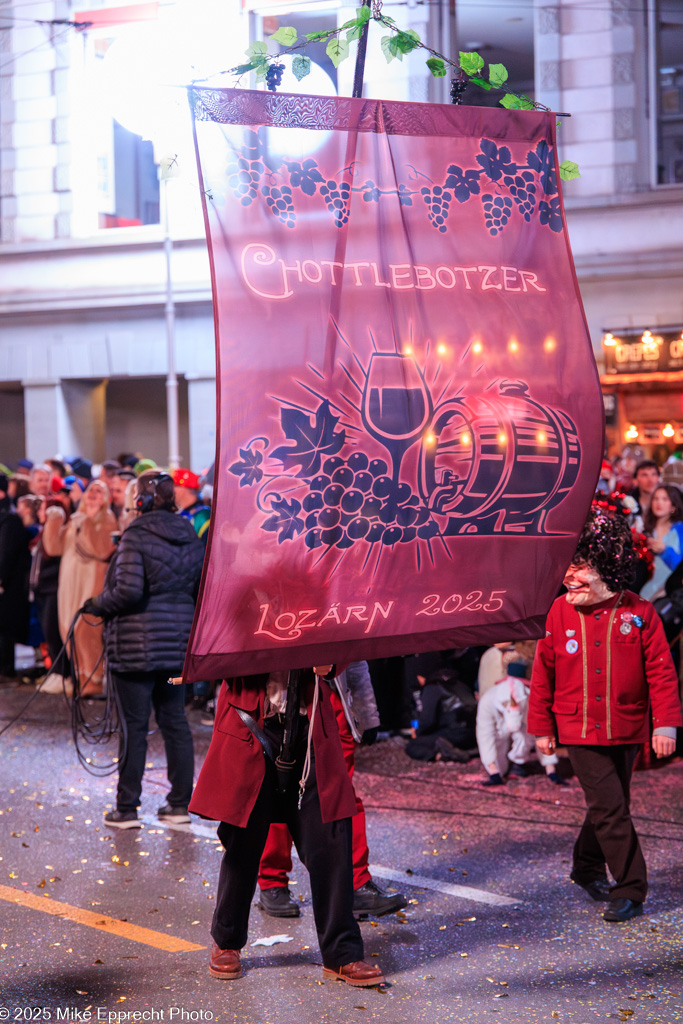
point(101, 925)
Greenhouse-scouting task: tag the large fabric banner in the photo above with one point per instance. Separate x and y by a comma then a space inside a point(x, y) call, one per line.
point(410, 421)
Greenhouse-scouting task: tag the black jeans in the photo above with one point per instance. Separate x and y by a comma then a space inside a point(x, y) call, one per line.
point(325, 850)
point(139, 692)
point(608, 835)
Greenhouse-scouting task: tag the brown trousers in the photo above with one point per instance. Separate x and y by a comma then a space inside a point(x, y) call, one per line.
point(608, 836)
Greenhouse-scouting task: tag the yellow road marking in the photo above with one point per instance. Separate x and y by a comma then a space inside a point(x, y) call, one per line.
point(100, 921)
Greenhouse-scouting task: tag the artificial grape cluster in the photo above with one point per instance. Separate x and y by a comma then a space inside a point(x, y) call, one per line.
point(280, 202)
point(274, 76)
point(337, 196)
point(523, 191)
point(353, 499)
point(497, 210)
point(438, 201)
point(244, 177)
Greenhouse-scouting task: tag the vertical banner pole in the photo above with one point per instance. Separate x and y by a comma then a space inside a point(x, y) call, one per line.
point(360, 58)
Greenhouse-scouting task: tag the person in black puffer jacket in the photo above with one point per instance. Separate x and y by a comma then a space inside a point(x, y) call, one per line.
point(148, 606)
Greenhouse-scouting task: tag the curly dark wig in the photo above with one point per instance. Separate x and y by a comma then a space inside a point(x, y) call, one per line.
point(606, 544)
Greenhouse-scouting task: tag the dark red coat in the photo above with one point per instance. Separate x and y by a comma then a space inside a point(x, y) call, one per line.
point(598, 671)
point(232, 773)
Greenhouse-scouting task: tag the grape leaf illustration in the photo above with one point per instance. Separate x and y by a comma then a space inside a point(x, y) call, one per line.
point(248, 468)
point(285, 520)
point(313, 439)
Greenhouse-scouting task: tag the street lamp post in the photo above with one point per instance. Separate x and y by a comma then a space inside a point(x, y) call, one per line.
point(172, 418)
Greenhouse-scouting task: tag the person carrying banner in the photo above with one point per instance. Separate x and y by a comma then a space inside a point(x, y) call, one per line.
point(353, 702)
point(276, 755)
point(603, 664)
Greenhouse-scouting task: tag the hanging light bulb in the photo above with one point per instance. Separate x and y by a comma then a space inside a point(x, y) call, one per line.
point(668, 430)
point(632, 433)
point(609, 341)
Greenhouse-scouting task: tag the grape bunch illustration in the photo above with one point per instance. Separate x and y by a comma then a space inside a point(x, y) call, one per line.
point(353, 499)
point(497, 210)
point(437, 200)
point(337, 196)
point(523, 191)
point(339, 501)
point(279, 201)
point(244, 178)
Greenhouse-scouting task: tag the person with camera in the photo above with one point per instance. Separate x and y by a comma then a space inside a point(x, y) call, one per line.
point(148, 606)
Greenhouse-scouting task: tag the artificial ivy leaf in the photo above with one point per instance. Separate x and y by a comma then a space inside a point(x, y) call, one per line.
point(363, 14)
point(354, 32)
point(511, 102)
point(526, 103)
point(387, 49)
point(257, 50)
point(498, 74)
point(313, 439)
point(569, 170)
point(437, 67)
point(482, 83)
point(471, 63)
point(407, 41)
point(261, 71)
point(314, 37)
point(301, 66)
point(242, 69)
point(285, 35)
point(337, 50)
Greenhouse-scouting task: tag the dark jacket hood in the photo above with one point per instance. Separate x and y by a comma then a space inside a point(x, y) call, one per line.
point(169, 526)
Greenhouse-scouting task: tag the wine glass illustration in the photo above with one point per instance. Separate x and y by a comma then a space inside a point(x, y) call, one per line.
point(396, 405)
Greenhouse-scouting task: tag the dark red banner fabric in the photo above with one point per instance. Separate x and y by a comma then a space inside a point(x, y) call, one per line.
point(410, 420)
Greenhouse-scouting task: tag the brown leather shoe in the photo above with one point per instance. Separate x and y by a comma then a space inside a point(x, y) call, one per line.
point(359, 974)
point(225, 963)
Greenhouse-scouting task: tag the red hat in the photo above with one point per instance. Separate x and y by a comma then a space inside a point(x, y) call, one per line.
point(56, 484)
point(606, 464)
point(186, 478)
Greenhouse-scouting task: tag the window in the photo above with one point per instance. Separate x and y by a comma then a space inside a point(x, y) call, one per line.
point(127, 179)
point(668, 36)
point(502, 32)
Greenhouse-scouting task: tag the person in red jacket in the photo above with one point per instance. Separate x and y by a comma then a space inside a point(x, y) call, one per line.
point(603, 665)
point(241, 786)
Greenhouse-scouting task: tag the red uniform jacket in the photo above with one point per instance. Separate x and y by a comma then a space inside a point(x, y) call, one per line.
point(233, 770)
point(599, 669)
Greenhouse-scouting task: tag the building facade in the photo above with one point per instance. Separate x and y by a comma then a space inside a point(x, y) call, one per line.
point(94, 330)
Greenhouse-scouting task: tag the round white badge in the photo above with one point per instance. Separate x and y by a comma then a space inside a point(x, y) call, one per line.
point(625, 628)
point(572, 646)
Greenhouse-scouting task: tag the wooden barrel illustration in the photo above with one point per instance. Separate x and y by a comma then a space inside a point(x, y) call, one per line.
point(498, 453)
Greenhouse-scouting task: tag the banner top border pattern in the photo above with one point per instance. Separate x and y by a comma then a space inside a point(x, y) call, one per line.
point(391, 117)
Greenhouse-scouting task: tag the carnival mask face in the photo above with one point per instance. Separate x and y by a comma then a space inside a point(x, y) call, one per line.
point(584, 586)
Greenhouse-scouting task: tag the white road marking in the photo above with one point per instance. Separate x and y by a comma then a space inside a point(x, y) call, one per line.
point(463, 892)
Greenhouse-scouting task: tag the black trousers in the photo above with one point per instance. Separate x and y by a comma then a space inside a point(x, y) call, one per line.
point(324, 849)
point(608, 836)
point(138, 693)
point(6, 654)
point(46, 606)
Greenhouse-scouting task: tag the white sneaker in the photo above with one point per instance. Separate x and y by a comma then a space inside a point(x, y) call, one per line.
point(53, 683)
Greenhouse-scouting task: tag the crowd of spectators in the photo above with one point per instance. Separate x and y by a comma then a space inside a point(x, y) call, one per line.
point(60, 523)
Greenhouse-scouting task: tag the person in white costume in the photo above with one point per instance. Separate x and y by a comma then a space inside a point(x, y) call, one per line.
point(504, 743)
